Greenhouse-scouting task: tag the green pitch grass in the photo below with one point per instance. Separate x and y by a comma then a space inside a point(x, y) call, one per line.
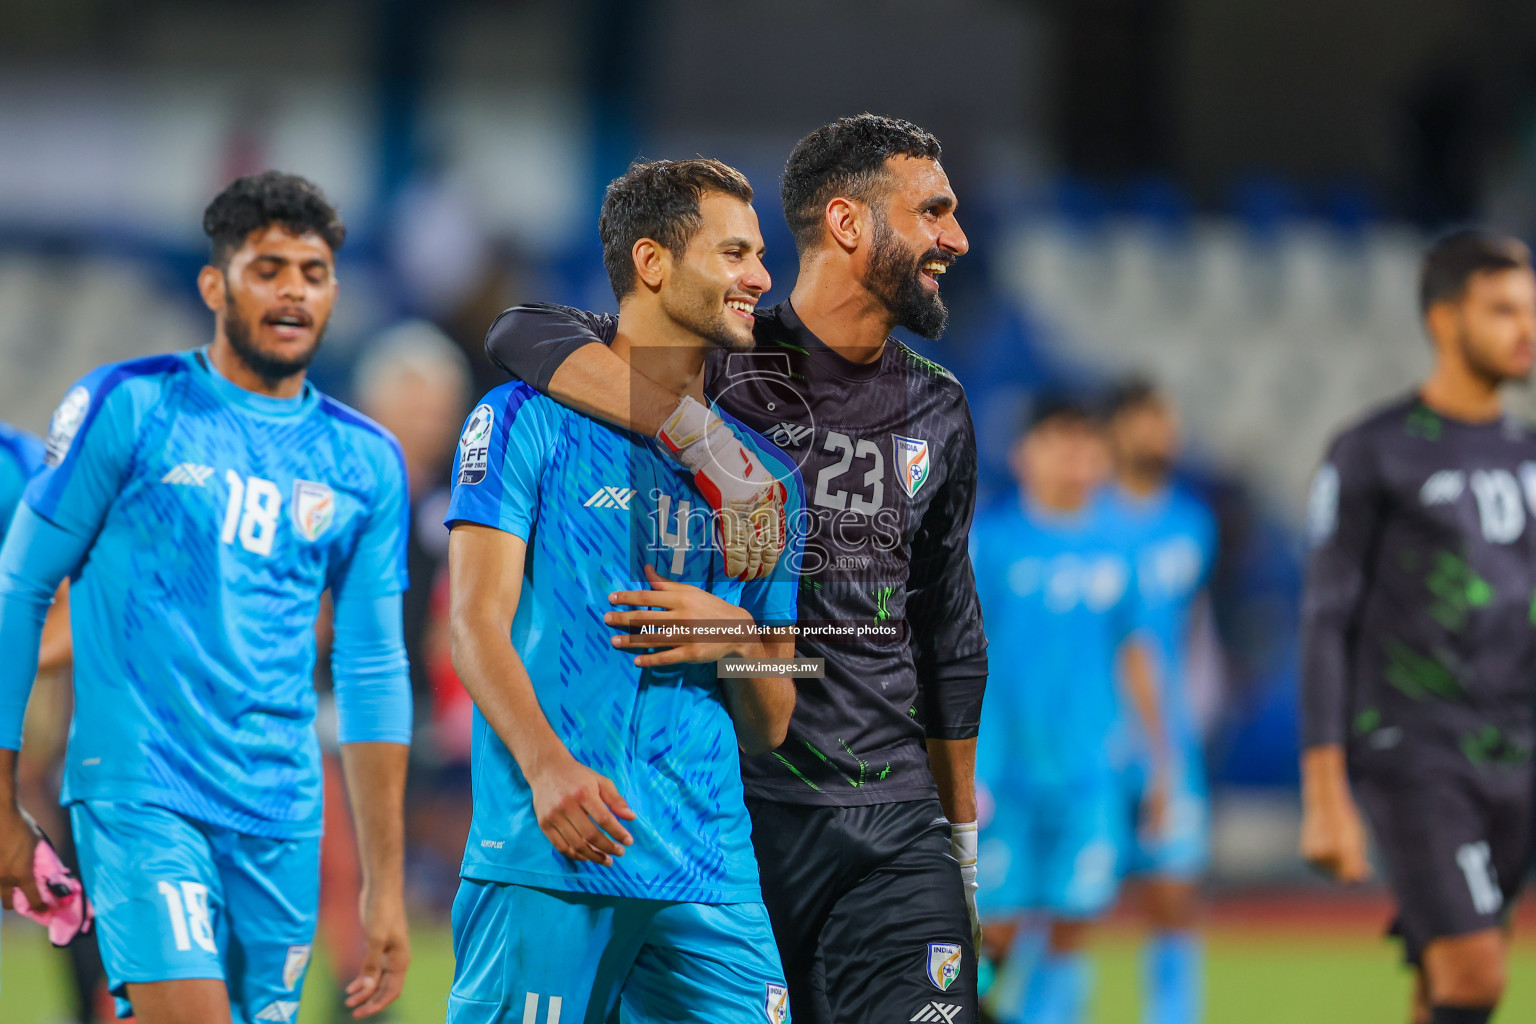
point(1288, 977)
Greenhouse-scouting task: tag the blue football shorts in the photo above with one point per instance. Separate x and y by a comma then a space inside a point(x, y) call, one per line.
point(177, 898)
point(525, 955)
point(1055, 851)
point(1182, 850)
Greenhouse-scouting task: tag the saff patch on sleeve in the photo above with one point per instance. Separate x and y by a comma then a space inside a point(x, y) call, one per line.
point(475, 445)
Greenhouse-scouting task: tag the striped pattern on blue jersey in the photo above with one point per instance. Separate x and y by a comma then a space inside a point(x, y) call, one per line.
point(595, 505)
point(218, 518)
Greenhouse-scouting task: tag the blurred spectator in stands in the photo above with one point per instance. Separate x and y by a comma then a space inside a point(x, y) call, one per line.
point(416, 382)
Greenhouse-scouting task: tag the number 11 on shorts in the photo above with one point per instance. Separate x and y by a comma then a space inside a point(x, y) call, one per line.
point(188, 910)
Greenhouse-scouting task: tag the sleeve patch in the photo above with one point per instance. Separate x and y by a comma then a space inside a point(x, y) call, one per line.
point(475, 445)
point(66, 422)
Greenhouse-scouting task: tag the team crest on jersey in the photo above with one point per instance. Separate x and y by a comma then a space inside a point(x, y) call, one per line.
point(293, 966)
point(314, 508)
point(66, 422)
point(911, 462)
point(943, 964)
point(475, 445)
point(776, 1004)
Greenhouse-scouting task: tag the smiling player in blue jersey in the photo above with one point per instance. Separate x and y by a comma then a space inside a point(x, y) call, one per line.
point(610, 861)
point(1059, 591)
point(1173, 537)
point(201, 503)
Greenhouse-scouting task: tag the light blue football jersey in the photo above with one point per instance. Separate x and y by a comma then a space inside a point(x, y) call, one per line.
point(1059, 595)
point(219, 517)
point(595, 504)
point(21, 456)
point(1173, 535)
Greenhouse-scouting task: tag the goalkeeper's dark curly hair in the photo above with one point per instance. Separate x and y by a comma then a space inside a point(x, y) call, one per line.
point(845, 158)
point(259, 201)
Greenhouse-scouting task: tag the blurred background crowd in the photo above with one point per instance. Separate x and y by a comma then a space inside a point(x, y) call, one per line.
point(1228, 199)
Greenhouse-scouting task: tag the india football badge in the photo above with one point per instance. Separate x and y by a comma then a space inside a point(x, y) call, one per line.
point(294, 964)
point(911, 462)
point(943, 964)
point(776, 1004)
point(314, 508)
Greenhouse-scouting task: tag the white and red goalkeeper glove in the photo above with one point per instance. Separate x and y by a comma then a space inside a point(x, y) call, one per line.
point(747, 499)
point(962, 843)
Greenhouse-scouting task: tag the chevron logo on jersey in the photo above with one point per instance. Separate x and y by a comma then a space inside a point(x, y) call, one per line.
point(776, 1004)
point(937, 1013)
point(314, 508)
point(611, 497)
point(911, 462)
point(189, 474)
point(943, 964)
point(282, 1011)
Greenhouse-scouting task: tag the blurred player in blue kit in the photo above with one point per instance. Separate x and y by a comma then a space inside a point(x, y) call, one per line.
point(201, 503)
point(1064, 614)
point(21, 457)
point(1173, 537)
point(610, 866)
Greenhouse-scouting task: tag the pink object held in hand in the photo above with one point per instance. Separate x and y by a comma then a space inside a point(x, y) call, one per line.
point(66, 912)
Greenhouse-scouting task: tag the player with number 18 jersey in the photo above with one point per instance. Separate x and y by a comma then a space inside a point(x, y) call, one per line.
point(201, 520)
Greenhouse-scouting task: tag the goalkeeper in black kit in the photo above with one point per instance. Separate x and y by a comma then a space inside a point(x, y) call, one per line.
point(1419, 636)
point(864, 819)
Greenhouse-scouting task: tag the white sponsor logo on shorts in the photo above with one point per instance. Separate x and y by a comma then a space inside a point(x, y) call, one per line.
point(941, 1013)
point(282, 1011)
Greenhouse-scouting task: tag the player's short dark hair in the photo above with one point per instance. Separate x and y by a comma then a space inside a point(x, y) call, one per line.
point(1056, 408)
point(1131, 393)
point(1454, 259)
point(659, 200)
point(259, 201)
point(845, 158)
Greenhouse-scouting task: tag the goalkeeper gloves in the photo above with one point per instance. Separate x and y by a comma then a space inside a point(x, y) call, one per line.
point(748, 501)
point(962, 843)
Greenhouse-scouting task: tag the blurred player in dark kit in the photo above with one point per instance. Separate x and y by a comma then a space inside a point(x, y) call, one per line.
point(864, 819)
point(1419, 636)
point(1072, 684)
point(1173, 538)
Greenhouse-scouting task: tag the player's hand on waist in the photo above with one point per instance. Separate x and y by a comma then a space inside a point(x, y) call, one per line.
point(579, 810)
point(690, 624)
point(18, 845)
point(748, 500)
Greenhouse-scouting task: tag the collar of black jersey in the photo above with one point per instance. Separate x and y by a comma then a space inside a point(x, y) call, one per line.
point(818, 352)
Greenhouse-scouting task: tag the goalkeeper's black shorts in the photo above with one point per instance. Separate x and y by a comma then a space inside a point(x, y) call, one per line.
point(868, 911)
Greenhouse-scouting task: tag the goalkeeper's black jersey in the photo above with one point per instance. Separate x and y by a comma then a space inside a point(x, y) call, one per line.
point(887, 453)
point(1421, 587)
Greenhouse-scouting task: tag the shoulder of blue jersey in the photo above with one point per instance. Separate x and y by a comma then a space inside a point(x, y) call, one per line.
point(83, 402)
